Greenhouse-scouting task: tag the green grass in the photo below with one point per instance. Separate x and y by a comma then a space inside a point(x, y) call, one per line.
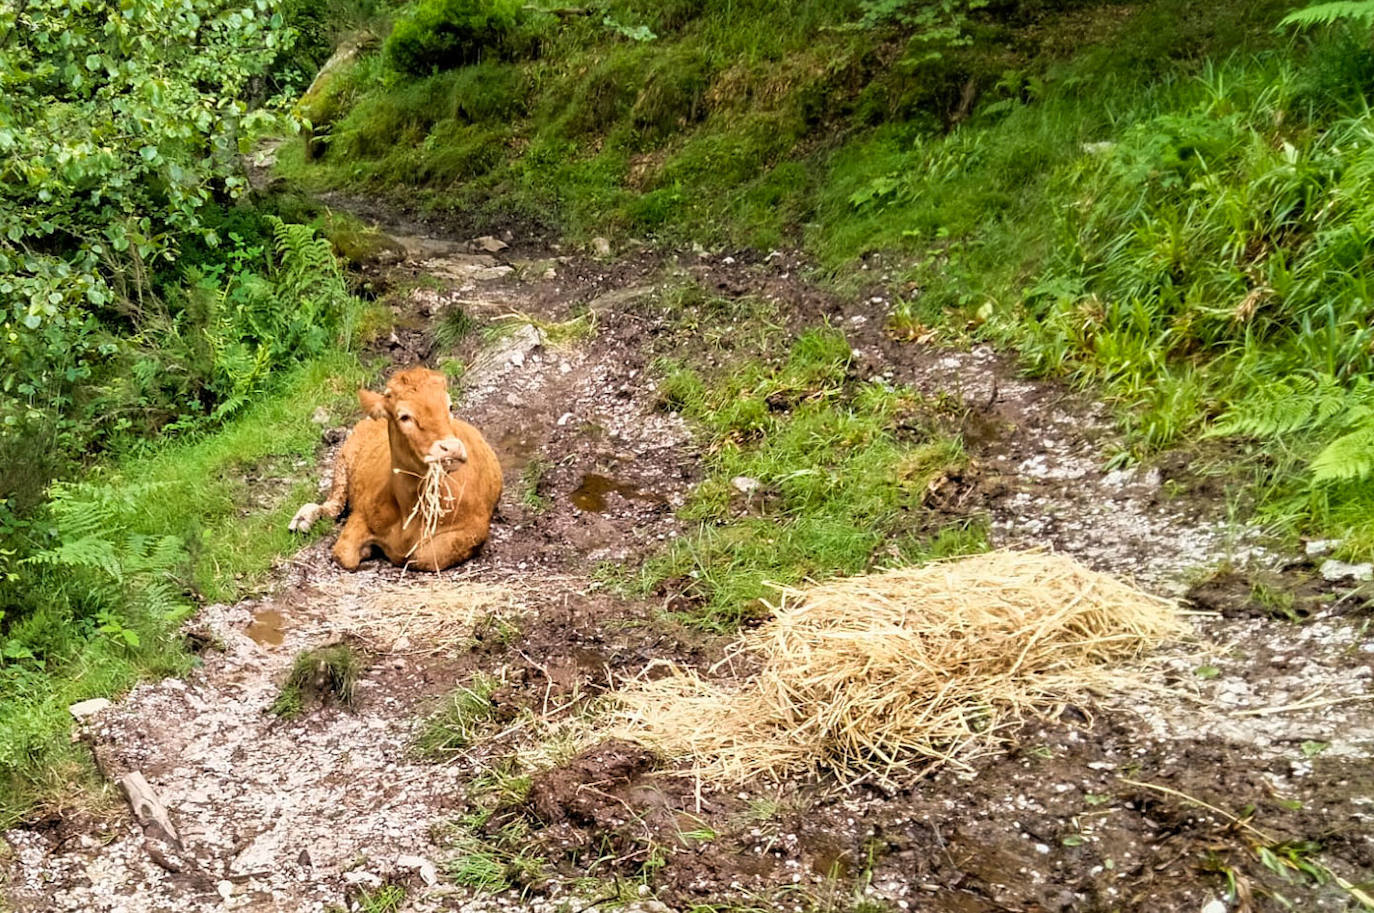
point(531, 478)
point(320, 675)
point(386, 899)
point(1163, 202)
point(458, 722)
point(493, 862)
point(143, 533)
point(839, 471)
point(232, 531)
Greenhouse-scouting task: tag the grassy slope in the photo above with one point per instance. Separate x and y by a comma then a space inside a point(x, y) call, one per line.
point(1159, 199)
point(843, 469)
point(194, 489)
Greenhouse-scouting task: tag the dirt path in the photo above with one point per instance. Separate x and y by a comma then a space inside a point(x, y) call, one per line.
point(325, 810)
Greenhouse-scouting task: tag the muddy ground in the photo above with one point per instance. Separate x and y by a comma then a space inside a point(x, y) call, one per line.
point(1242, 782)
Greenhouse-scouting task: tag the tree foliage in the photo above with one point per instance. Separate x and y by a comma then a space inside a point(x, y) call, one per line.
point(121, 121)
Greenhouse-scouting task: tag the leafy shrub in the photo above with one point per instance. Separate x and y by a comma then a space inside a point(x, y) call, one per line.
point(444, 34)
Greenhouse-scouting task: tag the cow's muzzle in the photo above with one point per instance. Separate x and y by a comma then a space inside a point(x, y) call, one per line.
point(447, 451)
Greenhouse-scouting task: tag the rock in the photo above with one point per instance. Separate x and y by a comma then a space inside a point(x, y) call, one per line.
point(319, 105)
point(601, 247)
point(1333, 570)
point(260, 855)
point(565, 418)
point(1118, 477)
point(304, 860)
point(225, 889)
point(148, 808)
point(487, 245)
point(1214, 906)
point(487, 274)
point(428, 874)
point(746, 486)
point(495, 363)
point(616, 300)
point(362, 245)
point(83, 709)
point(1318, 547)
point(549, 273)
point(320, 416)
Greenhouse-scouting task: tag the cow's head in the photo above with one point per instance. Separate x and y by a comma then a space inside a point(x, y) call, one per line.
point(416, 406)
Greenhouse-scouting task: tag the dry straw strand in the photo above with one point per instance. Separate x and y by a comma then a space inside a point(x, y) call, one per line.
point(909, 668)
point(427, 614)
point(433, 498)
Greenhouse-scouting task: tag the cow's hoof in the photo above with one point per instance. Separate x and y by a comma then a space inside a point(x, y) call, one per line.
point(305, 518)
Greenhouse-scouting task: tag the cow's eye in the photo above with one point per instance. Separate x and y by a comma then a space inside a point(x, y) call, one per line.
point(406, 418)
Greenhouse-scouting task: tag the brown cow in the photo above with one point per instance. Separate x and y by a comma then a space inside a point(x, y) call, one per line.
point(381, 466)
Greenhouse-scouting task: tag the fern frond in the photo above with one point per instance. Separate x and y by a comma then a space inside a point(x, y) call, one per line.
point(1348, 457)
point(1328, 13)
point(94, 552)
point(1297, 404)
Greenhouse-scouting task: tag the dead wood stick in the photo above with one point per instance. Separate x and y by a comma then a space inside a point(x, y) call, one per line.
point(148, 808)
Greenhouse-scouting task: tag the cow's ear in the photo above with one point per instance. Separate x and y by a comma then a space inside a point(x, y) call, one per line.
point(374, 404)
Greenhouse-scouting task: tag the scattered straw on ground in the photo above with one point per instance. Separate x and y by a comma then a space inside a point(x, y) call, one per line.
point(910, 668)
point(426, 614)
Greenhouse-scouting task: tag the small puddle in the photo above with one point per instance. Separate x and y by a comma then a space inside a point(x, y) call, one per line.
point(268, 628)
point(591, 494)
point(828, 856)
point(515, 450)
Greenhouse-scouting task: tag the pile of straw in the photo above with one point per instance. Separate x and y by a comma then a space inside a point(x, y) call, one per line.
point(907, 669)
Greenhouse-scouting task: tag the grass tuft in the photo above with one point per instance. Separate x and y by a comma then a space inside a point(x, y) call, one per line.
point(321, 675)
point(456, 724)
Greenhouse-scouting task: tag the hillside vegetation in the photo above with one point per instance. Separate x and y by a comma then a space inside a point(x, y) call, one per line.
point(165, 335)
point(1165, 201)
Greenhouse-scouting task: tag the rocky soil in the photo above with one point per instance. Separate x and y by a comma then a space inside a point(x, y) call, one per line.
point(1242, 781)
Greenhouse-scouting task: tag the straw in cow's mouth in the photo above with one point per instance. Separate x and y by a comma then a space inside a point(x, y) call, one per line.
point(433, 498)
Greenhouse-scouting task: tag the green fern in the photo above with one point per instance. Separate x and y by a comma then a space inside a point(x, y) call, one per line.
point(1348, 457)
point(306, 258)
point(1294, 405)
point(1329, 13)
point(1336, 418)
point(94, 538)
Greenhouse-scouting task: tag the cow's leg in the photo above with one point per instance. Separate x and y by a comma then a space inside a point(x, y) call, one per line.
point(354, 542)
point(447, 549)
point(309, 514)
